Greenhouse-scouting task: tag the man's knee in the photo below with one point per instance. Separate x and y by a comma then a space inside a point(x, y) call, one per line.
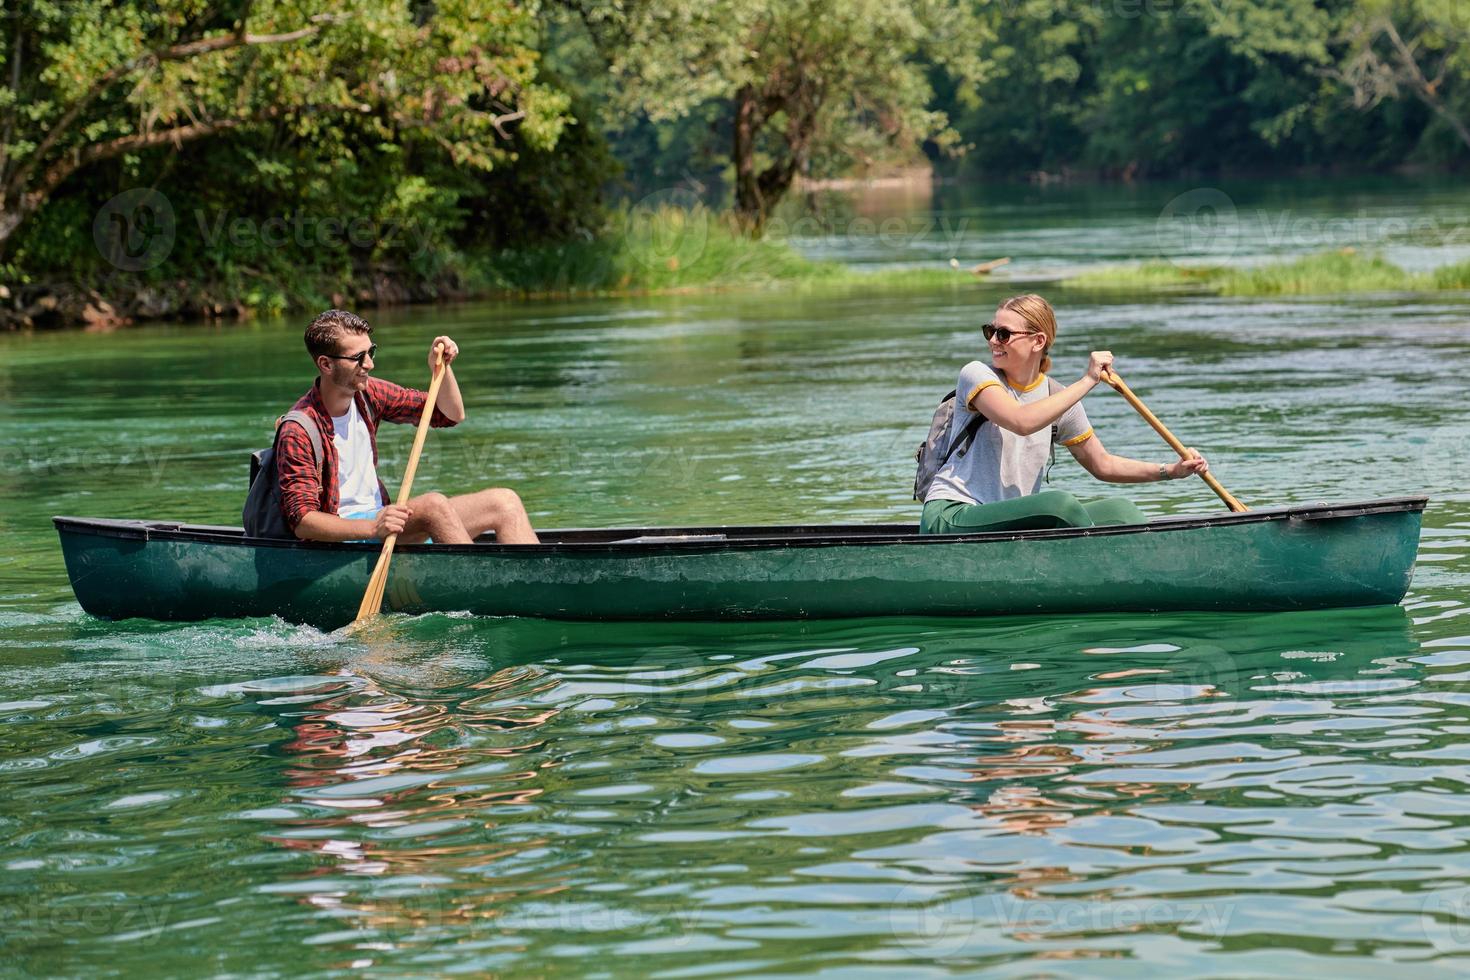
point(431, 506)
point(503, 500)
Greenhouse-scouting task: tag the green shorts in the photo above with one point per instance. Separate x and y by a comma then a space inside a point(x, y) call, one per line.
point(1038, 511)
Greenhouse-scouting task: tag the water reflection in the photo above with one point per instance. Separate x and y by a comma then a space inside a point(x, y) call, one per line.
point(400, 786)
point(502, 796)
point(816, 764)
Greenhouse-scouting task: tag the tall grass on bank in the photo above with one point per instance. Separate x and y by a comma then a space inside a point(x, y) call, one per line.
point(1345, 271)
point(667, 250)
point(638, 251)
point(676, 250)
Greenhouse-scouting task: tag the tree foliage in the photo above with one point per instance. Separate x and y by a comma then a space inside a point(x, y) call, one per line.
point(448, 131)
point(793, 80)
point(1162, 87)
point(90, 81)
point(1419, 48)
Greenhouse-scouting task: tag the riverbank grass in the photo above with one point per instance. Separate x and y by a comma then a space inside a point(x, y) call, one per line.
point(673, 251)
point(1324, 274)
point(666, 251)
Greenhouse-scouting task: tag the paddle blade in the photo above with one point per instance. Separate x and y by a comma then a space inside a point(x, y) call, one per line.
point(372, 597)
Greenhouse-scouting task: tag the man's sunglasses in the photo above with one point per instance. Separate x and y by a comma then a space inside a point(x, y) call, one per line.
point(1004, 334)
point(370, 352)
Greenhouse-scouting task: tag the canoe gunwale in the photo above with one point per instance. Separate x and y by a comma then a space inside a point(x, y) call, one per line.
point(735, 537)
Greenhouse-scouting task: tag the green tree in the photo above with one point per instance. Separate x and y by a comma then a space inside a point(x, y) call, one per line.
point(1223, 83)
point(1418, 47)
point(1030, 113)
point(796, 80)
point(1159, 87)
point(83, 82)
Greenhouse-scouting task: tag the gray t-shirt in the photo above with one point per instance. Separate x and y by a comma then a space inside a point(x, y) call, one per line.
point(999, 464)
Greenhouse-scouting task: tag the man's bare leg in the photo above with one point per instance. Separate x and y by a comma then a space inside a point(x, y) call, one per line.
point(434, 517)
point(497, 509)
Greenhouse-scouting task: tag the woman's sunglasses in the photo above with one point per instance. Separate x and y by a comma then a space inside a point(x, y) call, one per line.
point(1004, 334)
point(372, 352)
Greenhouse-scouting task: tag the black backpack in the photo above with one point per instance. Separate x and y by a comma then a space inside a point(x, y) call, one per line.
point(262, 515)
point(936, 450)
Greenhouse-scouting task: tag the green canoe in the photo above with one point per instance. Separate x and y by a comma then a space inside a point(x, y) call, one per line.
point(1302, 557)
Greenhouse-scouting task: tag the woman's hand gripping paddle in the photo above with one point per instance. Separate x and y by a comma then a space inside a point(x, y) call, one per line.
point(1112, 378)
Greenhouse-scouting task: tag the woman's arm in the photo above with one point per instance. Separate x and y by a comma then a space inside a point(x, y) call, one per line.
point(999, 407)
point(1120, 469)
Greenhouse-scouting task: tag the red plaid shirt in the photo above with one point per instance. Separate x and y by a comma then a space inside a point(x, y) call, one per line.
point(301, 490)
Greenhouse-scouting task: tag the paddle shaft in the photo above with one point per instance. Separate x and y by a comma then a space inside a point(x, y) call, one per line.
point(1112, 378)
point(372, 600)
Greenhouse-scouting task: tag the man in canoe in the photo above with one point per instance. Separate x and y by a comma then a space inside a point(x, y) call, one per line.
point(348, 502)
point(994, 482)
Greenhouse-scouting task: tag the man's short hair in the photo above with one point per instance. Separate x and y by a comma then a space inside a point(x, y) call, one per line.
point(324, 335)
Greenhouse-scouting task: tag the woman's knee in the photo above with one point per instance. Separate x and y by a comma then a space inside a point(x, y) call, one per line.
point(1064, 507)
point(1115, 510)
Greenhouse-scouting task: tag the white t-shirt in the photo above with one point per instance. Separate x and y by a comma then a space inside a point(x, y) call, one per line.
point(357, 479)
point(999, 464)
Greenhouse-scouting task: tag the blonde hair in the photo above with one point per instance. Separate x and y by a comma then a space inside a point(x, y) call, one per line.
point(1039, 315)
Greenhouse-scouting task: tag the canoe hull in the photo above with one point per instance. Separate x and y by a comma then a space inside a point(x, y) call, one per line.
point(1288, 558)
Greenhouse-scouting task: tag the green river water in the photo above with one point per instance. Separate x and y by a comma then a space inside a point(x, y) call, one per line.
point(1092, 796)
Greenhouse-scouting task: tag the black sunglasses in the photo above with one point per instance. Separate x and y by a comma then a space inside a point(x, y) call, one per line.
point(372, 351)
point(1004, 334)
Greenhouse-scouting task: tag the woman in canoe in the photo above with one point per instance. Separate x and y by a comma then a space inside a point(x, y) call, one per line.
point(994, 484)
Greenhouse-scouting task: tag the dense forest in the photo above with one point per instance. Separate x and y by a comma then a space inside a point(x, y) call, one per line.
point(184, 157)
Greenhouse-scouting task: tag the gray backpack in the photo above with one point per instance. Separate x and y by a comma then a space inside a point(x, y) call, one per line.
point(262, 515)
point(936, 450)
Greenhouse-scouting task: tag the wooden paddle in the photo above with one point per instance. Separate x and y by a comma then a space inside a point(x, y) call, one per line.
point(372, 599)
point(1149, 417)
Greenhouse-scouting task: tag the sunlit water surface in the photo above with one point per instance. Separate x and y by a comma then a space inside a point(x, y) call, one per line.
point(1242, 795)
